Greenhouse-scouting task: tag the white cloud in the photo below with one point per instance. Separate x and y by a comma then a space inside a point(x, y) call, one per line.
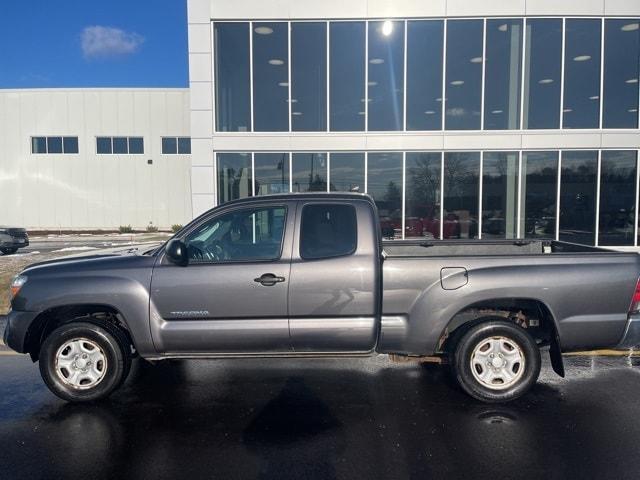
point(100, 42)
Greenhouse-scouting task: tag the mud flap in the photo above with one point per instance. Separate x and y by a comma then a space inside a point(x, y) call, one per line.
point(556, 356)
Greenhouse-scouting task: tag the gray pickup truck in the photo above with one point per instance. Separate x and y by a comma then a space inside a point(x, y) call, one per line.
point(307, 275)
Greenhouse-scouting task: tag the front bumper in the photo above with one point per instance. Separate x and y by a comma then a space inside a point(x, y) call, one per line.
point(15, 332)
point(631, 337)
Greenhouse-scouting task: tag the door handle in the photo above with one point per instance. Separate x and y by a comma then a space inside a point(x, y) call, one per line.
point(269, 279)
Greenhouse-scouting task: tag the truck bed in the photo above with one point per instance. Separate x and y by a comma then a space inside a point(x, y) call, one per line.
point(471, 248)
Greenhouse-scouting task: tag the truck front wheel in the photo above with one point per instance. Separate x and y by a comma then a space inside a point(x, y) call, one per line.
point(496, 361)
point(82, 362)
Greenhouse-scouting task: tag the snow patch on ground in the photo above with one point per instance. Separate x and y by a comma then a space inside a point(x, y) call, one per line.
point(75, 249)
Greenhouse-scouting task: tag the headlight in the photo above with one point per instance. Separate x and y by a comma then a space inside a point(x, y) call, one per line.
point(16, 284)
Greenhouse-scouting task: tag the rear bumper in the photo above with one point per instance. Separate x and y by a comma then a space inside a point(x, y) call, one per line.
point(631, 337)
point(15, 332)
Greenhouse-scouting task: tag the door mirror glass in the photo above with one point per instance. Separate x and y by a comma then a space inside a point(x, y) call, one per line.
point(176, 252)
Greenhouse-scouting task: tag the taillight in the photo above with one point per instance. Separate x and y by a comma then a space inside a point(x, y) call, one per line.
point(635, 300)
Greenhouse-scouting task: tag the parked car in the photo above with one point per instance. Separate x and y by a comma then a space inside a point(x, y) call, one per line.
point(12, 238)
point(308, 275)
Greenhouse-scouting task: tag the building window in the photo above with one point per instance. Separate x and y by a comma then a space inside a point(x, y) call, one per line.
point(424, 74)
point(461, 194)
point(234, 176)
point(232, 77)
point(308, 76)
point(384, 184)
point(422, 208)
point(503, 69)
point(385, 83)
point(578, 191)
point(617, 197)
point(500, 194)
point(309, 172)
point(270, 77)
point(176, 145)
point(346, 172)
point(54, 145)
point(542, 70)
point(464, 75)
point(581, 105)
point(346, 76)
point(621, 73)
point(539, 194)
point(271, 173)
point(120, 145)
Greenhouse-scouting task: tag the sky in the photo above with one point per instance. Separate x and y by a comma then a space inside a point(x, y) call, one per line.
point(93, 43)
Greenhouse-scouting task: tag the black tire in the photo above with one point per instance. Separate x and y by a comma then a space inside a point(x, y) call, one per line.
point(113, 346)
point(8, 251)
point(477, 337)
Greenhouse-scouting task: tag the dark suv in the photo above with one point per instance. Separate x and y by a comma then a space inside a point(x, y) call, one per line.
point(11, 239)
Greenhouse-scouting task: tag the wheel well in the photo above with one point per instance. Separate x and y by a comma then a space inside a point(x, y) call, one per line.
point(52, 318)
point(532, 315)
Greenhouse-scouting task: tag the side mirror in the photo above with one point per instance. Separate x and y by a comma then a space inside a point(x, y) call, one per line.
point(176, 252)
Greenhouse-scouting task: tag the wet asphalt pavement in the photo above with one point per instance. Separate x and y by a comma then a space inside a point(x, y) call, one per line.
point(325, 419)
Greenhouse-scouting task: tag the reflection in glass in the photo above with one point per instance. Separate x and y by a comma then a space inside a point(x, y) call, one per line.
point(621, 52)
point(422, 216)
point(231, 46)
point(271, 173)
point(347, 57)
point(386, 75)
point(464, 75)
point(308, 76)
point(234, 176)
point(347, 172)
point(539, 190)
point(543, 59)
point(424, 74)
point(617, 197)
point(270, 71)
point(581, 107)
point(578, 190)
point(461, 194)
point(384, 184)
point(309, 172)
point(499, 195)
point(502, 74)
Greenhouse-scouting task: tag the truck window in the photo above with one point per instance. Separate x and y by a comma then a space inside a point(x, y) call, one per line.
point(252, 234)
point(328, 230)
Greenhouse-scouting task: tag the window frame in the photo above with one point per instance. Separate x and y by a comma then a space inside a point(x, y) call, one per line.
point(301, 224)
point(215, 215)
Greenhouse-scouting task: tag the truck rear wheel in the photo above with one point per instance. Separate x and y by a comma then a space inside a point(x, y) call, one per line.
point(8, 251)
point(496, 361)
point(83, 362)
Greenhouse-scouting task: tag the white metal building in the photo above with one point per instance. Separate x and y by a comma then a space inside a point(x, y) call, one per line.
point(463, 118)
point(56, 171)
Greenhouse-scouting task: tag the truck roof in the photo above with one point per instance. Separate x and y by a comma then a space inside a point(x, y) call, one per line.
point(304, 196)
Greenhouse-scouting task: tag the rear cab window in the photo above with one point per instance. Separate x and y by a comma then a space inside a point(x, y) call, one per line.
point(328, 230)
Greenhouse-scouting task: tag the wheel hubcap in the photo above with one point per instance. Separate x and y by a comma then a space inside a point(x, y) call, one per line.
point(81, 363)
point(497, 362)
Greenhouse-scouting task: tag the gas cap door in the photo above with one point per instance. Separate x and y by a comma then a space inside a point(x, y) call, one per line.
point(452, 278)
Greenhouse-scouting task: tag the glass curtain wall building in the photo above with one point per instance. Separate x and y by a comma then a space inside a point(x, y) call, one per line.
point(492, 127)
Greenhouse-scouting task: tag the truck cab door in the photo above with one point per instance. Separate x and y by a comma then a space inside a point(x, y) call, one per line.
point(231, 298)
point(334, 281)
